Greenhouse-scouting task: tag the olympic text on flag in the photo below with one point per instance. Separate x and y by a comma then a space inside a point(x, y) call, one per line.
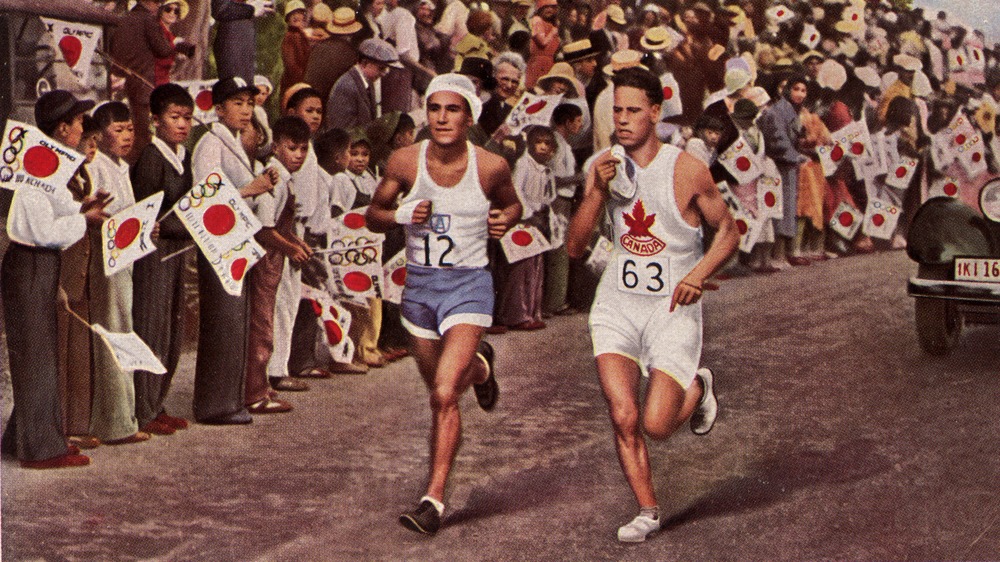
point(30, 159)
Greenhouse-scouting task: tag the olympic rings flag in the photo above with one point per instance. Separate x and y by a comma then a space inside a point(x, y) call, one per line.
point(127, 236)
point(216, 215)
point(354, 258)
point(29, 158)
point(880, 219)
point(76, 42)
point(232, 266)
point(394, 274)
point(741, 161)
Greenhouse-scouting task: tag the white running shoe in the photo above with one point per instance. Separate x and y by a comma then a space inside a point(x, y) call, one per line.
point(705, 413)
point(639, 529)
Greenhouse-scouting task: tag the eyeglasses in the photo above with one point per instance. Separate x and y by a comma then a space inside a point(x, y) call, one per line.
point(172, 9)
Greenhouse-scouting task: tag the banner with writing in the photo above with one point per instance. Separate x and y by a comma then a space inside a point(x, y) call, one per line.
point(76, 42)
point(216, 215)
point(30, 159)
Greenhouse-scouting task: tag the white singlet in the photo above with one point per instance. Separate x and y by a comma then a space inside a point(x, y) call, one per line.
point(455, 234)
point(654, 248)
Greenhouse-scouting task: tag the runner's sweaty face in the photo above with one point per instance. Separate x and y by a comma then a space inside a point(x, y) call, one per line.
point(635, 117)
point(448, 117)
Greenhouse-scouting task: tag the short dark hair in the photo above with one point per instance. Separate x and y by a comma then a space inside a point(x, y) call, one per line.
point(291, 127)
point(90, 126)
point(566, 112)
point(112, 112)
point(641, 79)
point(169, 94)
point(331, 142)
point(710, 122)
point(535, 133)
point(302, 95)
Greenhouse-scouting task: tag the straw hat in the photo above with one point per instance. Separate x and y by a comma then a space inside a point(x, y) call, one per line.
point(561, 71)
point(658, 39)
point(626, 58)
point(716, 52)
point(579, 50)
point(183, 6)
point(343, 22)
point(616, 14)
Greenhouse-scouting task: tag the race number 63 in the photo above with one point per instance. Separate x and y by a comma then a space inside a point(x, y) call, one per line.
point(643, 276)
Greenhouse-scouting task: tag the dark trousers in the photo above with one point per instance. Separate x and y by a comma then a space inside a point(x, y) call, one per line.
point(158, 318)
point(29, 279)
point(220, 368)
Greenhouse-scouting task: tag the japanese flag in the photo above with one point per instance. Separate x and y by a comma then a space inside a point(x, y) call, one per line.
point(749, 229)
point(232, 266)
point(741, 161)
point(76, 43)
point(901, 173)
point(33, 160)
point(770, 199)
point(951, 138)
point(129, 351)
point(855, 140)
point(958, 60)
point(522, 242)
point(881, 218)
point(976, 58)
point(944, 187)
point(351, 228)
point(600, 255)
point(830, 157)
point(201, 92)
point(810, 36)
point(356, 273)
point(846, 221)
point(394, 274)
point(532, 109)
point(127, 236)
point(972, 154)
point(732, 201)
point(216, 215)
point(671, 96)
point(779, 13)
point(335, 322)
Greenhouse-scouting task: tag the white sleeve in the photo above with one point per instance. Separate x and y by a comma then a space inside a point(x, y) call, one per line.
point(343, 194)
point(207, 156)
point(33, 222)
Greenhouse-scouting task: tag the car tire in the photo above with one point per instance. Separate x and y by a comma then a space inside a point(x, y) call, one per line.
point(938, 321)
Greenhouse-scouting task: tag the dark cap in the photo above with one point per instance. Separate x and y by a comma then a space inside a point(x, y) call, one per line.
point(480, 68)
point(59, 105)
point(229, 87)
point(744, 109)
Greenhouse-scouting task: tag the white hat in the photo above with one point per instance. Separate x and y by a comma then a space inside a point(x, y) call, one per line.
point(737, 79)
point(261, 80)
point(907, 62)
point(869, 76)
point(832, 75)
point(921, 85)
point(457, 84)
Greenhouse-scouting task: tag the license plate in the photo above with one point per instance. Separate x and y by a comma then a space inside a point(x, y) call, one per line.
point(977, 269)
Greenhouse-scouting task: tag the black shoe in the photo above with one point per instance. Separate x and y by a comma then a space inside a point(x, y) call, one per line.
point(488, 391)
point(425, 519)
point(241, 417)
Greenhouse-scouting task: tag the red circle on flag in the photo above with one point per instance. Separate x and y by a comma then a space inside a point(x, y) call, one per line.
point(961, 61)
point(238, 268)
point(975, 54)
point(334, 334)
point(950, 189)
point(521, 238)
point(846, 219)
point(71, 48)
point(536, 107)
point(858, 148)
point(837, 153)
point(668, 93)
point(878, 220)
point(357, 281)
point(960, 139)
point(354, 220)
point(901, 172)
point(780, 13)
point(334, 313)
point(219, 219)
point(769, 199)
point(976, 157)
point(127, 232)
point(204, 100)
point(399, 276)
point(854, 17)
point(742, 226)
point(41, 161)
point(742, 163)
point(317, 308)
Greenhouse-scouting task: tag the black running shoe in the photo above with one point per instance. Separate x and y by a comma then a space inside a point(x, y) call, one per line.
point(425, 519)
point(487, 392)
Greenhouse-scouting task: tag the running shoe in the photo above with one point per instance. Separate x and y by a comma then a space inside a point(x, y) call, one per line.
point(424, 519)
point(705, 413)
point(488, 391)
point(639, 529)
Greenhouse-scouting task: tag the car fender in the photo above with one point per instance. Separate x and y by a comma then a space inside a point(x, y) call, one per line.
point(944, 228)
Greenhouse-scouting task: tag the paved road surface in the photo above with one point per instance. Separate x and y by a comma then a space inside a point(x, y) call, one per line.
point(837, 439)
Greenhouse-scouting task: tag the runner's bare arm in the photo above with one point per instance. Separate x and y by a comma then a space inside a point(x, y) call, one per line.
point(595, 195)
point(499, 189)
point(707, 202)
point(399, 175)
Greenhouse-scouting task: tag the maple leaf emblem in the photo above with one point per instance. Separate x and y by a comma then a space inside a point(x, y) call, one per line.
point(638, 223)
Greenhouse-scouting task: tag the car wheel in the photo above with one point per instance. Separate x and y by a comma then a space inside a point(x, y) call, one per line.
point(939, 323)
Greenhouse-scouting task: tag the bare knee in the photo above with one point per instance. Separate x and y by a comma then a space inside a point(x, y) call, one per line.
point(444, 398)
point(626, 422)
point(659, 429)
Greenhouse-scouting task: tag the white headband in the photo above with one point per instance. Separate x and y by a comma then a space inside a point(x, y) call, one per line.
point(457, 84)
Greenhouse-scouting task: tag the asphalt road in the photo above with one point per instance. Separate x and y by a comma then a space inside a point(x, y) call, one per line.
point(838, 439)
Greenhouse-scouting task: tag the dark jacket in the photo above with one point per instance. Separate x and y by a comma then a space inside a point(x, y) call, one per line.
point(235, 44)
point(136, 43)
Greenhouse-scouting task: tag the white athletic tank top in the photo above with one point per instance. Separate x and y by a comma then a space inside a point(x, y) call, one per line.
point(654, 247)
point(455, 234)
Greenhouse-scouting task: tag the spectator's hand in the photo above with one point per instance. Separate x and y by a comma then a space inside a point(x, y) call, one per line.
point(93, 207)
point(298, 255)
point(261, 7)
point(261, 184)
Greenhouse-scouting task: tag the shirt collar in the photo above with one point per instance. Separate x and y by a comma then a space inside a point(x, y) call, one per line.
point(176, 159)
point(226, 136)
point(283, 172)
point(110, 163)
point(362, 75)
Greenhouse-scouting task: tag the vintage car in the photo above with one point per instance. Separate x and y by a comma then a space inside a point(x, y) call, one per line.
point(957, 249)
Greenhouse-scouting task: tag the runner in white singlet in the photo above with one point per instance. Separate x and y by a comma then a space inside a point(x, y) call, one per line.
point(453, 196)
point(646, 314)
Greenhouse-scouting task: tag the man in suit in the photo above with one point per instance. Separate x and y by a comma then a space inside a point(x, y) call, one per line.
point(352, 100)
point(235, 44)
